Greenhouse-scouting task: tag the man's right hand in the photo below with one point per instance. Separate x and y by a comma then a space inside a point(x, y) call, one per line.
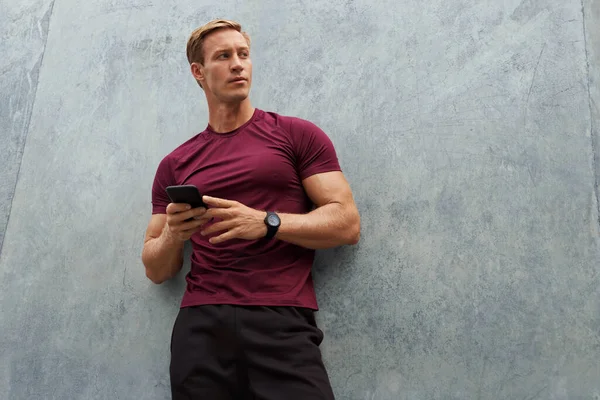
point(177, 227)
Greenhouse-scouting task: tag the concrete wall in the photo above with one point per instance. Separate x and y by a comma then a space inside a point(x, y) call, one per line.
point(469, 132)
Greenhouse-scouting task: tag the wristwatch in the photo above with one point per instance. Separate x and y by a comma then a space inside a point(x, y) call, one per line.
point(272, 221)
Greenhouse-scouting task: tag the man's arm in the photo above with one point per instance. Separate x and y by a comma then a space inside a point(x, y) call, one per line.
point(165, 236)
point(334, 222)
point(162, 255)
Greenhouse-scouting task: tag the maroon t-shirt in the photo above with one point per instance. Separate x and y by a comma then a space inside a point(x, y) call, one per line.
point(261, 164)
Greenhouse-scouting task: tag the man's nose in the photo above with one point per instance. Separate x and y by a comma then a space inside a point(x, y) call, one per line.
point(236, 64)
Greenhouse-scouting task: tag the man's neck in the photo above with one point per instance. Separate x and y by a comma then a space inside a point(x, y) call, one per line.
point(228, 117)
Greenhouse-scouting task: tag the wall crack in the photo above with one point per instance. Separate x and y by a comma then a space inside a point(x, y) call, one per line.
point(593, 135)
point(45, 20)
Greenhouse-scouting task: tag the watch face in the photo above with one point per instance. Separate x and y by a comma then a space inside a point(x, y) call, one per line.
point(273, 220)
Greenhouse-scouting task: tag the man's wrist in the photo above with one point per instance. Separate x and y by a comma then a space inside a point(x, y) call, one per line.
point(272, 222)
point(261, 216)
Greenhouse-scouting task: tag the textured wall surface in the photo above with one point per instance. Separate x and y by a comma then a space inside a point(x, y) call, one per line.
point(468, 130)
point(591, 12)
point(23, 30)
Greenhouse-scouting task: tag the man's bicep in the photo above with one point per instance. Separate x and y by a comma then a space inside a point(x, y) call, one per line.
point(155, 226)
point(328, 187)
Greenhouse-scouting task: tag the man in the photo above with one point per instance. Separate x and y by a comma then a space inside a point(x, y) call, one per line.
point(274, 192)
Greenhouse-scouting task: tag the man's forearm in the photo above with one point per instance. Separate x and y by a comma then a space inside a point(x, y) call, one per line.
point(162, 257)
point(327, 226)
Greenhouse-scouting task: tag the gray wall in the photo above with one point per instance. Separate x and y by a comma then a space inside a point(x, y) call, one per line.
point(469, 132)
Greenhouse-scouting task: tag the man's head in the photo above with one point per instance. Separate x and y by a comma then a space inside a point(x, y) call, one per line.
point(219, 56)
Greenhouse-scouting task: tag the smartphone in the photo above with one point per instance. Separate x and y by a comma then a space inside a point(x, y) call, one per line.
point(187, 194)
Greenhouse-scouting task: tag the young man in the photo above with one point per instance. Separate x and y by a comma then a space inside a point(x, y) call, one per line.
point(274, 192)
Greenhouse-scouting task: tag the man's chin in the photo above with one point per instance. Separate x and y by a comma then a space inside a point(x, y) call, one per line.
point(235, 97)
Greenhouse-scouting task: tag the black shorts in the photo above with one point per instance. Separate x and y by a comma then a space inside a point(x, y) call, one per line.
point(247, 352)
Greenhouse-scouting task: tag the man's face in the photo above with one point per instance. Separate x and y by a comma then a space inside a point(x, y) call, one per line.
point(227, 70)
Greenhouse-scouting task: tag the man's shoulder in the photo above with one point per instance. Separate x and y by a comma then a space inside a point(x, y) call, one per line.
point(169, 161)
point(185, 147)
point(289, 123)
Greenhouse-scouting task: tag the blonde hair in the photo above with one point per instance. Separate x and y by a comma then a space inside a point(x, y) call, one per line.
point(194, 45)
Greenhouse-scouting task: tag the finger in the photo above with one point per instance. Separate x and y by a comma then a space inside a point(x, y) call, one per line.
point(185, 221)
point(203, 220)
point(183, 216)
point(197, 213)
point(219, 226)
point(216, 202)
point(189, 232)
point(174, 208)
point(223, 237)
point(221, 213)
point(188, 226)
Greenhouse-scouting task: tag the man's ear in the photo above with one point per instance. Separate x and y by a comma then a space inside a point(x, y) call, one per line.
point(197, 72)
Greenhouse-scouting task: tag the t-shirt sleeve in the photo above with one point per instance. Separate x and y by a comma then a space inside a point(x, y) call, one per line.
point(314, 150)
point(162, 179)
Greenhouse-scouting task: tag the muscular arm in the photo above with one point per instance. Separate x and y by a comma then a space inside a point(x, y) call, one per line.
point(165, 236)
point(334, 222)
point(162, 254)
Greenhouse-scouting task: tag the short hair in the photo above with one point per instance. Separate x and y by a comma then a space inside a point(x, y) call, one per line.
point(195, 42)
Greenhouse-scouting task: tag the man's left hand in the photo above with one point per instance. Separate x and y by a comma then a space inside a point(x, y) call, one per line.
point(237, 220)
